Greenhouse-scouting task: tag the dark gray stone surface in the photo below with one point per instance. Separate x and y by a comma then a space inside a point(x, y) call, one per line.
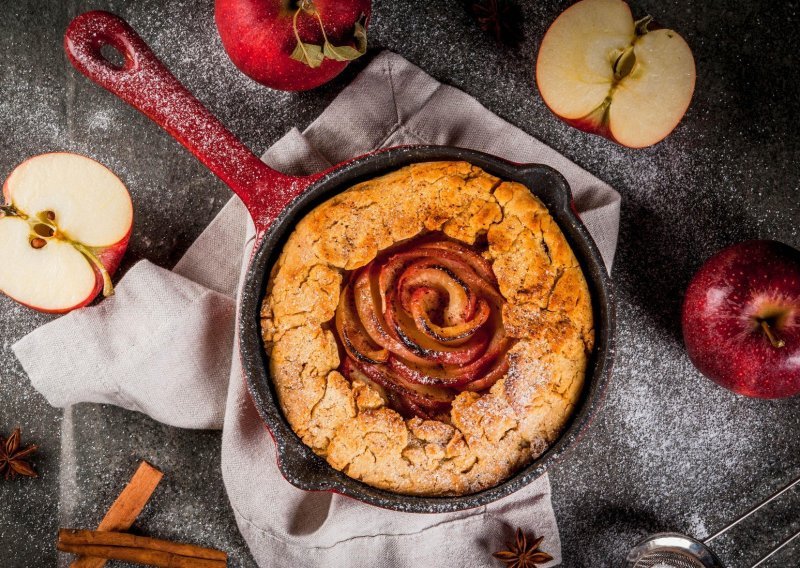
point(669, 451)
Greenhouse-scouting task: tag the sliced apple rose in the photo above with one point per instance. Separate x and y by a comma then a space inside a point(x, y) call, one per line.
point(426, 301)
point(423, 322)
point(64, 228)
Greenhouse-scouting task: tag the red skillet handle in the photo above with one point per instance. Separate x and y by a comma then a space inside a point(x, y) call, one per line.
point(147, 85)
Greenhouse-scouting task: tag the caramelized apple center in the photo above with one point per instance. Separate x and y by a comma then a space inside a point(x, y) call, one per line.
point(421, 323)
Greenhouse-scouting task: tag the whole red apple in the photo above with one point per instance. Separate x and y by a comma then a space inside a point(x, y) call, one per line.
point(741, 319)
point(293, 45)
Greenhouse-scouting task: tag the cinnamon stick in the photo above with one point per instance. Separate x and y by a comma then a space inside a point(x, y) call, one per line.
point(126, 508)
point(139, 549)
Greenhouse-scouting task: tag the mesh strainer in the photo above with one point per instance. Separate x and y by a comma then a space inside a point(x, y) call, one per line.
point(673, 550)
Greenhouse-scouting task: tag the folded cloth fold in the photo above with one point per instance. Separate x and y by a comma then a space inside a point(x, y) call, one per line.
point(141, 350)
point(165, 344)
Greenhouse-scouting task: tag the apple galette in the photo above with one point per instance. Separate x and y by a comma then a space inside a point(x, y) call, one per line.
point(428, 330)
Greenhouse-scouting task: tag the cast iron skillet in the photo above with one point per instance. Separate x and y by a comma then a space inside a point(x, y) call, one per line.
point(277, 202)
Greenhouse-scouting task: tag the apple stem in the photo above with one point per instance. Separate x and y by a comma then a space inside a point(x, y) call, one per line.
point(321, 26)
point(44, 230)
point(11, 211)
point(301, 52)
point(777, 343)
point(641, 25)
point(108, 287)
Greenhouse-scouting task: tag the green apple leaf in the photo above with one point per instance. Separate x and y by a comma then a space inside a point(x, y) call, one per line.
point(313, 55)
point(308, 53)
point(340, 53)
point(346, 52)
point(360, 35)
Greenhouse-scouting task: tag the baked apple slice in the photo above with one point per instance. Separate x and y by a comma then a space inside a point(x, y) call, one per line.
point(425, 301)
point(403, 328)
point(428, 397)
point(355, 339)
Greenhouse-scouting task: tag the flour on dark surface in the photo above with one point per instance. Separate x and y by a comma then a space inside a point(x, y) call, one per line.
point(669, 450)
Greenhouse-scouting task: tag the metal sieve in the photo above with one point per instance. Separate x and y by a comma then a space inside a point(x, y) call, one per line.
point(674, 550)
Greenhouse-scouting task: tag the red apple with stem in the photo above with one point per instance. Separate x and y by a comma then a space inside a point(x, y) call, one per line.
point(741, 319)
point(64, 228)
point(293, 45)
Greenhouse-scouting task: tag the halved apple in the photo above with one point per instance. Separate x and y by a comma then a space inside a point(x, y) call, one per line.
point(604, 73)
point(64, 228)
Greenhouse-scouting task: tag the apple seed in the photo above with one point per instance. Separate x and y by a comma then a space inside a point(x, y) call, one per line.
point(38, 242)
point(43, 230)
point(624, 64)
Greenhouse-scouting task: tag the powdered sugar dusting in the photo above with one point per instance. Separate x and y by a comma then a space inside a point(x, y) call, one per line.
point(668, 451)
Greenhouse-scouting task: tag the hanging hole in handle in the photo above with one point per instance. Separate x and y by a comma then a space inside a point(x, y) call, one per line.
point(113, 56)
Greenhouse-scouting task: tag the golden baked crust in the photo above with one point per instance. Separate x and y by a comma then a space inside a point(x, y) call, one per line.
point(491, 434)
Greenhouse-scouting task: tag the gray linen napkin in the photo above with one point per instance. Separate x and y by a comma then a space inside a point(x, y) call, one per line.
point(197, 381)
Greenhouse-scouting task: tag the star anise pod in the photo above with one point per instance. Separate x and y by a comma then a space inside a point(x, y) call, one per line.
point(13, 461)
point(520, 554)
point(501, 18)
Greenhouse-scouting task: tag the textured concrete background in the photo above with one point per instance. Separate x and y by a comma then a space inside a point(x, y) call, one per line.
point(669, 451)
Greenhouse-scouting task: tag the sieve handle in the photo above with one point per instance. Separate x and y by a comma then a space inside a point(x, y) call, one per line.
point(782, 545)
point(758, 507)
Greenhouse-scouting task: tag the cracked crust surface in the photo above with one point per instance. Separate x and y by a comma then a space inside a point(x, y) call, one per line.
point(490, 434)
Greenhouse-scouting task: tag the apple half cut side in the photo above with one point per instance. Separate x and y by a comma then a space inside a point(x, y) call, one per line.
point(64, 228)
point(604, 73)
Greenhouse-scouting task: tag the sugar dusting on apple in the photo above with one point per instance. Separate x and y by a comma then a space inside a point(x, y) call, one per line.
point(741, 319)
point(602, 72)
point(293, 45)
point(64, 228)
point(423, 322)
